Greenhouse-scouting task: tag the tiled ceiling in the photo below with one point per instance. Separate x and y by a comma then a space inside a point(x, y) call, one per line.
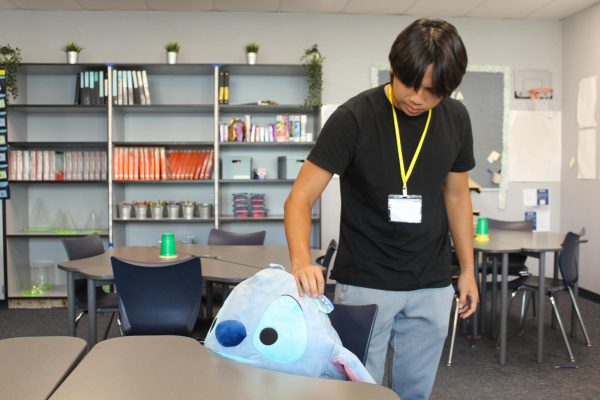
point(529, 9)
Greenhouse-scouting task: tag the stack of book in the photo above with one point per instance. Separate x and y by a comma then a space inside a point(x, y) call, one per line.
point(223, 87)
point(50, 165)
point(158, 163)
point(286, 128)
point(128, 87)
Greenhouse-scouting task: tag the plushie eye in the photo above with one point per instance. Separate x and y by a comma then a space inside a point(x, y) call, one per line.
point(281, 333)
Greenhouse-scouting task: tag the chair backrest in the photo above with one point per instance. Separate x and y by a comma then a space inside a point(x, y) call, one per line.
point(567, 260)
point(158, 299)
point(354, 325)
point(325, 259)
point(83, 247)
point(510, 225)
point(221, 237)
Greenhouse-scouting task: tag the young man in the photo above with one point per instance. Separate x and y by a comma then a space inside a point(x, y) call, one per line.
point(403, 152)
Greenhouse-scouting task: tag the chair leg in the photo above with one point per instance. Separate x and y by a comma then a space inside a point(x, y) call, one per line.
point(454, 323)
point(562, 329)
point(587, 338)
point(524, 306)
point(112, 317)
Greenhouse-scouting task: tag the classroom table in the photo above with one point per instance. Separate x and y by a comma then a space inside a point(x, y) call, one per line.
point(251, 256)
point(505, 242)
point(176, 367)
point(98, 270)
point(33, 367)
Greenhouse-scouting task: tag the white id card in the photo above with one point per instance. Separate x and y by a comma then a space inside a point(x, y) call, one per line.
point(405, 208)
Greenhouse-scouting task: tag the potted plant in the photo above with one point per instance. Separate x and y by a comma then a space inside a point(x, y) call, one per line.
point(72, 49)
point(251, 51)
point(313, 63)
point(173, 210)
point(188, 208)
point(124, 210)
point(157, 209)
point(172, 49)
point(141, 209)
point(10, 61)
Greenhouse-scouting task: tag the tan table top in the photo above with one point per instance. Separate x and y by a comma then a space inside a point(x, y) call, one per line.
point(174, 367)
point(32, 367)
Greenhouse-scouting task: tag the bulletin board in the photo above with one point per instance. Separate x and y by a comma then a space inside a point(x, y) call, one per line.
point(485, 92)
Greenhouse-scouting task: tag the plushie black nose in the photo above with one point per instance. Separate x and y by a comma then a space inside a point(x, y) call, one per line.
point(230, 333)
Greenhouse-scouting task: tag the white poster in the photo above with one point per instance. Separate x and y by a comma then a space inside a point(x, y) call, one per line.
point(586, 103)
point(536, 206)
point(534, 146)
point(586, 154)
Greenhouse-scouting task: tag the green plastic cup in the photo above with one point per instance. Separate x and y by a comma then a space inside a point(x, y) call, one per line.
point(482, 228)
point(167, 246)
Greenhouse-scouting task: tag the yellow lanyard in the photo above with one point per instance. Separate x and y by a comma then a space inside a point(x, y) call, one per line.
point(406, 174)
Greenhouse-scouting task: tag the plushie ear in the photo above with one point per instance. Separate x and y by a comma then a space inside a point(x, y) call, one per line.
point(348, 365)
point(276, 266)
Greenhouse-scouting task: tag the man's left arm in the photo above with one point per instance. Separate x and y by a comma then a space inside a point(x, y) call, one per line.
point(460, 218)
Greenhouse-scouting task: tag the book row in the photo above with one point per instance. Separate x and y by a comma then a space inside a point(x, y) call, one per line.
point(129, 87)
point(50, 165)
point(158, 163)
point(286, 128)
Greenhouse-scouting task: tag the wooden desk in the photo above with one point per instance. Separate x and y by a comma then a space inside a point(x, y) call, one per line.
point(33, 367)
point(505, 242)
point(98, 270)
point(175, 367)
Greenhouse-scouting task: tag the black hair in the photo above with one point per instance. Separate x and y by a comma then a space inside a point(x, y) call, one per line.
point(425, 42)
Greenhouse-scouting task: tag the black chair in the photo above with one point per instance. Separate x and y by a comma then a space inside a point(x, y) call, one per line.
point(226, 238)
point(567, 263)
point(325, 261)
point(516, 268)
point(84, 247)
point(354, 325)
point(158, 299)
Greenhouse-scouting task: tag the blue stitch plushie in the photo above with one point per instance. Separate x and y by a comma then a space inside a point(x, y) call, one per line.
point(265, 323)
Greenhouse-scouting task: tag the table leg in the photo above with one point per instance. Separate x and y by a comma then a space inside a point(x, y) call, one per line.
point(478, 311)
point(91, 295)
point(494, 293)
point(540, 315)
point(504, 309)
point(574, 321)
point(71, 303)
point(483, 291)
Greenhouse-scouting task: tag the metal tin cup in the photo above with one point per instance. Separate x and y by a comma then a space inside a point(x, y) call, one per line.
point(167, 246)
point(157, 212)
point(188, 210)
point(124, 211)
point(173, 211)
point(141, 211)
point(204, 210)
point(481, 232)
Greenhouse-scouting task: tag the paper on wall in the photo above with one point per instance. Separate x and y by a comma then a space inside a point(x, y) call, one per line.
point(586, 154)
point(586, 103)
point(534, 146)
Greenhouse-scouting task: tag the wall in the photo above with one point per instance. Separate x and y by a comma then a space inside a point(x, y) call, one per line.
point(351, 44)
point(580, 197)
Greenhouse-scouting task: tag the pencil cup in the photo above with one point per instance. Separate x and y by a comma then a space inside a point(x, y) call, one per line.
point(482, 229)
point(167, 246)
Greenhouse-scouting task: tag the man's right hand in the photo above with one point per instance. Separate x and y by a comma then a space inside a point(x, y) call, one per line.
point(309, 279)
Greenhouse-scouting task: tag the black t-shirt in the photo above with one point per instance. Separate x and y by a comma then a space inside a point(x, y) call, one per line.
point(358, 142)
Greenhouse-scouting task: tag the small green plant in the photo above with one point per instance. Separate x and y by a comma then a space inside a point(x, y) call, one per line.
point(252, 47)
point(172, 47)
point(313, 63)
point(10, 61)
point(72, 46)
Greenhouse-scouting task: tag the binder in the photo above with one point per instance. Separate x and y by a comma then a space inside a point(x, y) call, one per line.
point(146, 88)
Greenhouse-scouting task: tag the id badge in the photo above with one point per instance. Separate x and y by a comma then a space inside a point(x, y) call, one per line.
point(405, 208)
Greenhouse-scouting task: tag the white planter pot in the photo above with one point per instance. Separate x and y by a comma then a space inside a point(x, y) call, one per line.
point(171, 57)
point(251, 58)
point(72, 57)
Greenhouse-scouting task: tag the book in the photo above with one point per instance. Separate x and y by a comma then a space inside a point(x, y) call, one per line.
point(141, 87)
point(146, 88)
point(136, 89)
point(226, 88)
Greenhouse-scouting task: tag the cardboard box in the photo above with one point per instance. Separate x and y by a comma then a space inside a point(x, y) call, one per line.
point(288, 167)
point(236, 167)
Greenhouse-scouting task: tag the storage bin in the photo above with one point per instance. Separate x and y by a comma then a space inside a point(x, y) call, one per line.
point(236, 167)
point(288, 167)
